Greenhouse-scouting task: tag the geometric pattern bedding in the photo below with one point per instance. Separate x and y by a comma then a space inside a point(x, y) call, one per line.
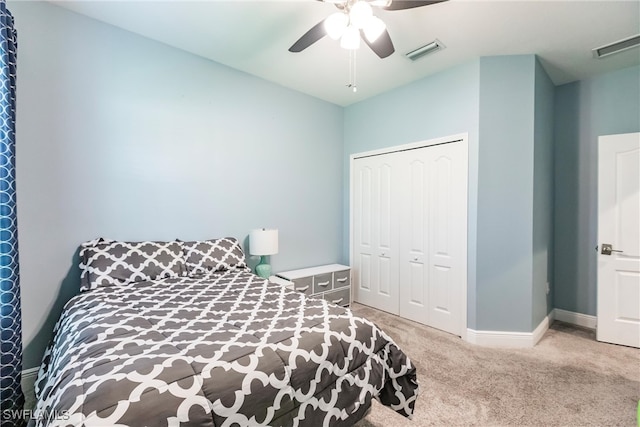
point(213, 255)
point(106, 262)
point(223, 349)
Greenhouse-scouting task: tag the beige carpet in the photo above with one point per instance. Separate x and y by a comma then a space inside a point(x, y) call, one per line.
point(568, 379)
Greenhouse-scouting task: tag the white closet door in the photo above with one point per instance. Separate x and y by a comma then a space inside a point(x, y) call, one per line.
point(409, 247)
point(375, 260)
point(433, 239)
point(414, 253)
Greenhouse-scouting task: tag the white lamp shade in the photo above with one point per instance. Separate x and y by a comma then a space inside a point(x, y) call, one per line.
point(263, 242)
point(374, 28)
point(360, 12)
point(335, 25)
point(351, 38)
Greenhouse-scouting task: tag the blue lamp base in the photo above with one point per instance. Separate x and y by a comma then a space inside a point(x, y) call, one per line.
point(263, 269)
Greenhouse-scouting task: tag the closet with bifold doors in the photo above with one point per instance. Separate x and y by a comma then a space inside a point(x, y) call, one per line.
point(409, 231)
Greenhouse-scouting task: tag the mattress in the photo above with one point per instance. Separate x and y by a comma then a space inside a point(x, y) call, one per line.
point(221, 349)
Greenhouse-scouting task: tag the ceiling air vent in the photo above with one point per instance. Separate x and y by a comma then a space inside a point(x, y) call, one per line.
point(619, 46)
point(432, 47)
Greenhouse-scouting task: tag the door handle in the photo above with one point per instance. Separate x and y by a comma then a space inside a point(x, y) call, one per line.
point(607, 249)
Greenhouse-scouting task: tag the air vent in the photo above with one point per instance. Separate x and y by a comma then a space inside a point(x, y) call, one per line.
point(619, 46)
point(432, 47)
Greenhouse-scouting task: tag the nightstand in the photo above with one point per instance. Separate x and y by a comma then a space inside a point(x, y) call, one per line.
point(331, 282)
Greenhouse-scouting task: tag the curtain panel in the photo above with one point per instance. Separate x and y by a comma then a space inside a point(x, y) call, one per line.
point(10, 313)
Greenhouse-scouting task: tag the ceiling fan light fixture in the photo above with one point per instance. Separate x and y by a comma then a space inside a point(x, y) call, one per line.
point(374, 28)
point(350, 39)
point(336, 24)
point(360, 13)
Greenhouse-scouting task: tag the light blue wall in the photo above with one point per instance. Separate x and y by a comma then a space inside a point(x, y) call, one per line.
point(607, 104)
point(542, 196)
point(505, 193)
point(437, 106)
point(123, 137)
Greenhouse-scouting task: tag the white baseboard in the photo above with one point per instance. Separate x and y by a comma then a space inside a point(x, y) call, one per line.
point(578, 319)
point(504, 339)
point(543, 327)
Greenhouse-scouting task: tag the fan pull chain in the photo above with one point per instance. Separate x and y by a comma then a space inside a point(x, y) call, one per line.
point(352, 70)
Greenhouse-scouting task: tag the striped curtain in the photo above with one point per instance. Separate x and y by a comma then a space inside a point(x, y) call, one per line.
point(10, 313)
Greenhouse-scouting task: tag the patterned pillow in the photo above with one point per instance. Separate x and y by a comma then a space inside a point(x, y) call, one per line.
point(106, 262)
point(213, 255)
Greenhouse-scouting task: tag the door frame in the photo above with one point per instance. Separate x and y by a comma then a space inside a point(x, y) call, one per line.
point(461, 137)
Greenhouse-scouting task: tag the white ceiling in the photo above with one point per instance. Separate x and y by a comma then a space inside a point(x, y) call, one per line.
point(254, 36)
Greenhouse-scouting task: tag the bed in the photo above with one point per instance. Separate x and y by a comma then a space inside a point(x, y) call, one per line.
point(182, 333)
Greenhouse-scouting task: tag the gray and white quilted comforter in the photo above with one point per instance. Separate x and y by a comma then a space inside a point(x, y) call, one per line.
point(223, 349)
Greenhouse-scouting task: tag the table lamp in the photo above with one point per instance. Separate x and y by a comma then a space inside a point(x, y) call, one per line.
point(263, 242)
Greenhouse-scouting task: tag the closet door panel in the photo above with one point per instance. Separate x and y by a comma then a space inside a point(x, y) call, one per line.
point(365, 207)
point(413, 240)
point(447, 199)
point(416, 285)
point(440, 203)
point(364, 270)
point(363, 229)
point(385, 235)
point(440, 256)
point(384, 208)
point(376, 232)
point(440, 295)
point(417, 206)
point(384, 275)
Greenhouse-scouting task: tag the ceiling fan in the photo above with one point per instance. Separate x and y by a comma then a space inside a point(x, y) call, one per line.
point(356, 21)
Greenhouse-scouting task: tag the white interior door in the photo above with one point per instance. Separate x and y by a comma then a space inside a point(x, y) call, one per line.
point(433, 239)
point(619, 228)
point(375, 260)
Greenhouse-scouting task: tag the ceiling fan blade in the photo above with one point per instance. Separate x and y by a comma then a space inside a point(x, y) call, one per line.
point(410, 4)
point(383, 46)
point(310, 37)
